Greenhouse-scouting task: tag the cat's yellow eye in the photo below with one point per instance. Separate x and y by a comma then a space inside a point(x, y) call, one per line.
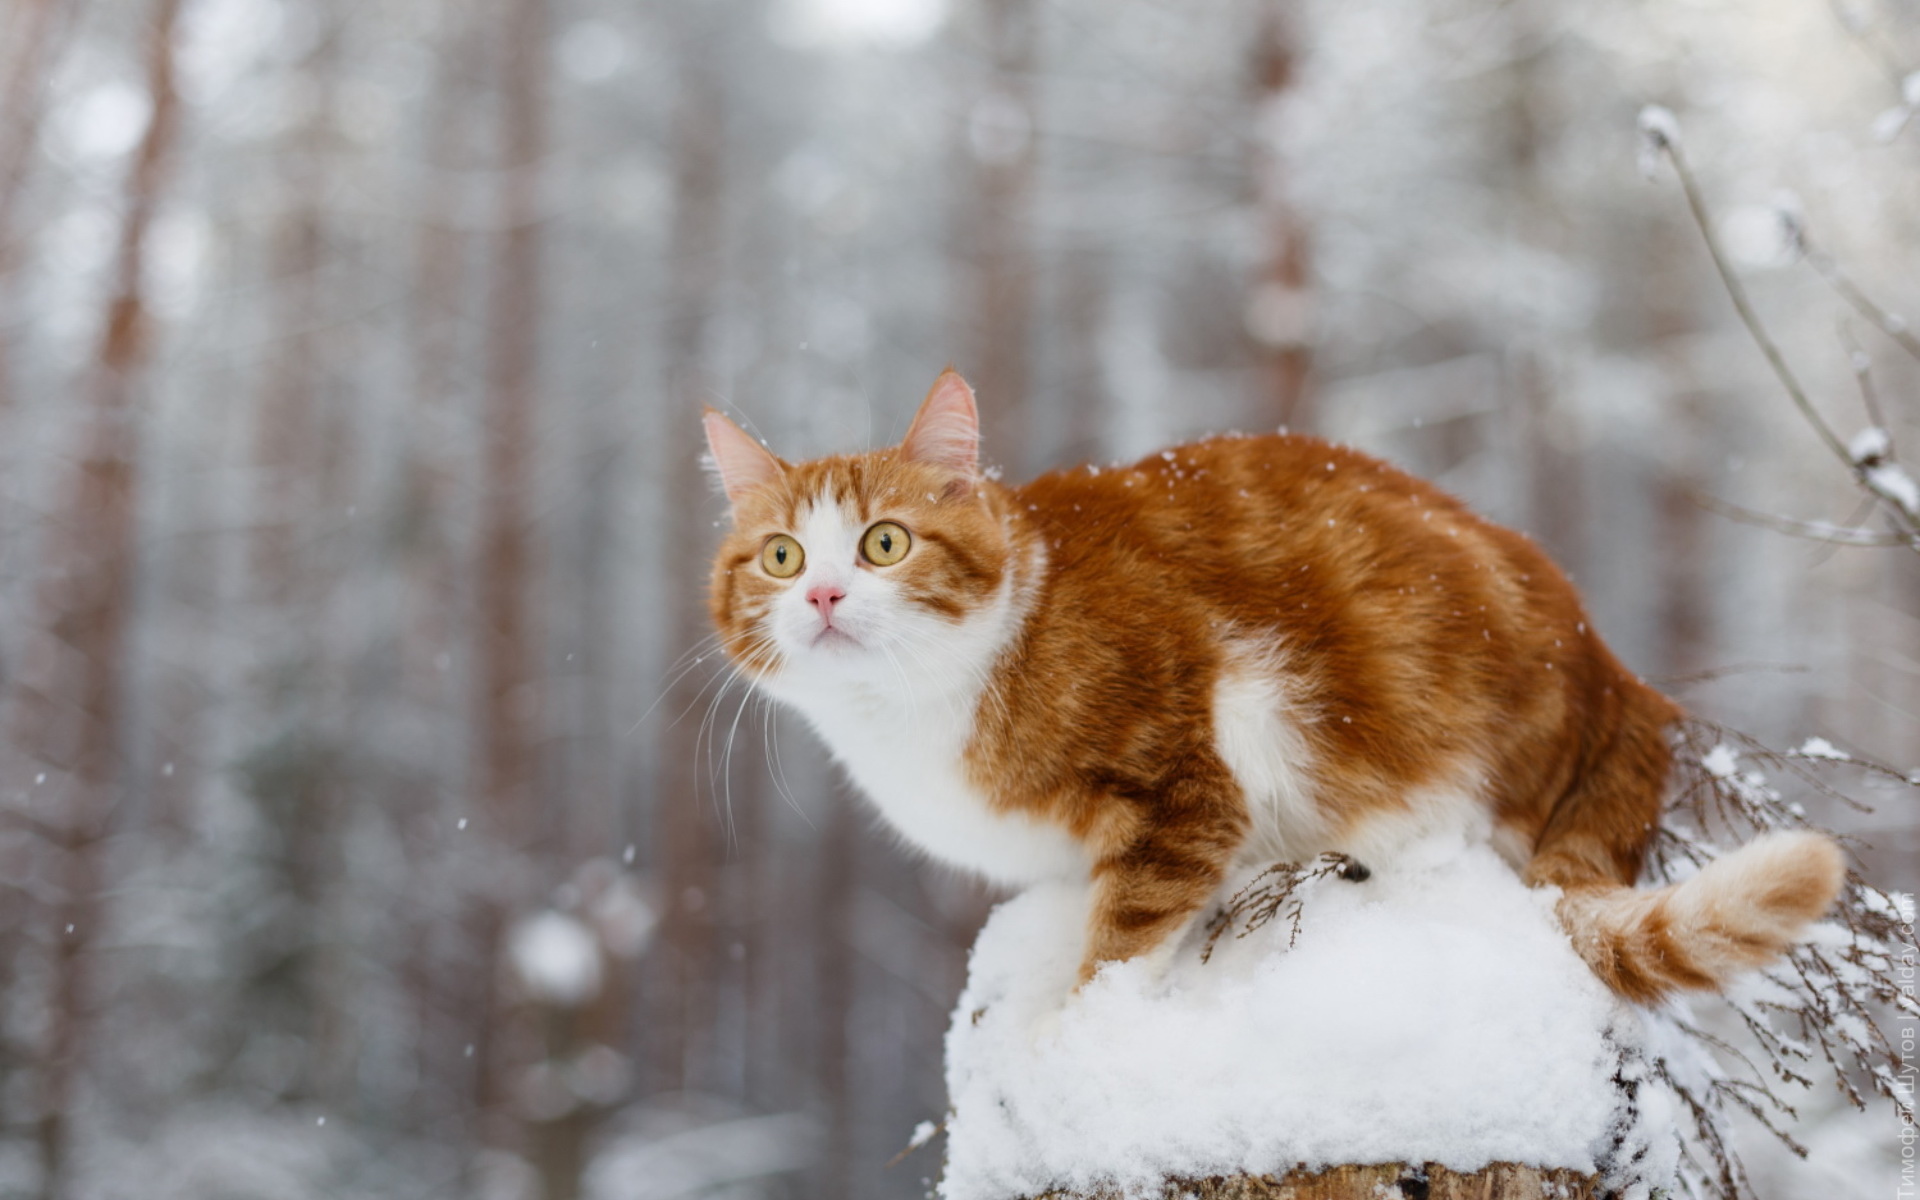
point(782, 556)
point(885, 544)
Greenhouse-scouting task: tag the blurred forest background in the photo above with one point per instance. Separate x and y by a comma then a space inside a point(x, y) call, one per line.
point(374, 824)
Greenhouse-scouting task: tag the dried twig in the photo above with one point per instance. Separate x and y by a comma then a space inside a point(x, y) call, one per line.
point(1660, 132)
point(1275, 892)
point(917, 1141)
point(1821, 1009)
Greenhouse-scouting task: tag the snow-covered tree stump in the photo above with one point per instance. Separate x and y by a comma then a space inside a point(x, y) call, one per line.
point(1430, 1018)
point(1500, 1181)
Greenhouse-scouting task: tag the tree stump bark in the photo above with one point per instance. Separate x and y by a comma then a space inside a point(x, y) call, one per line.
point(1392, 1181)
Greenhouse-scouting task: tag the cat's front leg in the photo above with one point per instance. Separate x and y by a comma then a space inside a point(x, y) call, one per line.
point(1156, 872)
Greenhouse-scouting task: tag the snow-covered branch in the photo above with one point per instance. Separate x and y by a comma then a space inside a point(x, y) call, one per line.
point(1869, 456)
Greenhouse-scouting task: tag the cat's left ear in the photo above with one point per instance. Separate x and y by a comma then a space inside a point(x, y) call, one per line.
point(946, 430)
point(742, 464)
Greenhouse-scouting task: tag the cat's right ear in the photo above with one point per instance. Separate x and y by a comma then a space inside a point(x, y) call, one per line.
point(946, 430)
point(742, 464)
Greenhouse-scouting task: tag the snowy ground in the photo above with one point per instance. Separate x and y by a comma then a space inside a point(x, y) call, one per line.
point(1432, 1013)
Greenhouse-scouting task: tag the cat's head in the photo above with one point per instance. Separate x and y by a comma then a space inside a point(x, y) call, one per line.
point(875, 564)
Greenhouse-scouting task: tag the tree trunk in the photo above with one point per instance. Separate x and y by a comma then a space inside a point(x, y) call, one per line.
point(509, 718)
point(70, 713)
point(291, 425)
point(29, 30)
point(839, 875)
point(33, 31)
point(1501, 1181)
point(1551, 478)
point(1279, 316)
point(295, 453)
point(1001, 134)
point(507, 656)
point(686, 852)
point(451, 996)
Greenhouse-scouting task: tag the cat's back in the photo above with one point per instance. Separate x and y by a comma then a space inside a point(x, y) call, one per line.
point(1239, 511)
point(1380, 588)
point(1406, 641)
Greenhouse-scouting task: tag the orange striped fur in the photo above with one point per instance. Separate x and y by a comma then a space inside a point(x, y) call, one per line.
point(1244, 648)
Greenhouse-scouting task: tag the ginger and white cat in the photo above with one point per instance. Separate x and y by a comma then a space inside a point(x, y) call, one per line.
point(1247, 649)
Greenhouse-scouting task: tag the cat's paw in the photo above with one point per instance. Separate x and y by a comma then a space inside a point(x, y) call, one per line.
point(1088, 969)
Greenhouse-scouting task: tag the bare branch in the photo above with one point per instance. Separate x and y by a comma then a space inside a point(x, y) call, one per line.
point(1659, 136)
point(1890, 323)
point(1881, 477)
point(1862, 364)
point(1819, 531)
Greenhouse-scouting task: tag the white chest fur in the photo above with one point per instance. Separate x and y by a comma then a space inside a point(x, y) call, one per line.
point(907, 756)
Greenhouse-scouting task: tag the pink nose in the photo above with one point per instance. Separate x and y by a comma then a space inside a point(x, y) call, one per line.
point(822, 597)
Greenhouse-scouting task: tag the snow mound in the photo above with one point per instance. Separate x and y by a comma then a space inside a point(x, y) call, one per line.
point(1431, 1013)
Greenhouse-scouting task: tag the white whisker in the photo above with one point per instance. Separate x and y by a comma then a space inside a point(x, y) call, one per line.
point(698, 653)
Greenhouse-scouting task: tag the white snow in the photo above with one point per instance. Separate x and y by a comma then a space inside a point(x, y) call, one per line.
point(1870, 443)
point(922, 1134)
point(1432, 1013)
point(1658, 122)
point(1819, 747)
point(556, 958)
point(1721, 762)
point(1659, 129)
point(1892, 481)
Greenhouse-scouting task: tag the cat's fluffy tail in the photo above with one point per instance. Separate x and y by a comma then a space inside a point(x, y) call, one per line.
point(1740, 912)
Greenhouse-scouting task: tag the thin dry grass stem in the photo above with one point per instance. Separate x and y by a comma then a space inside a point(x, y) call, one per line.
point(917, 1143)
point(1819, 1012)
point(1710, 1168)
point(1275, 892)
